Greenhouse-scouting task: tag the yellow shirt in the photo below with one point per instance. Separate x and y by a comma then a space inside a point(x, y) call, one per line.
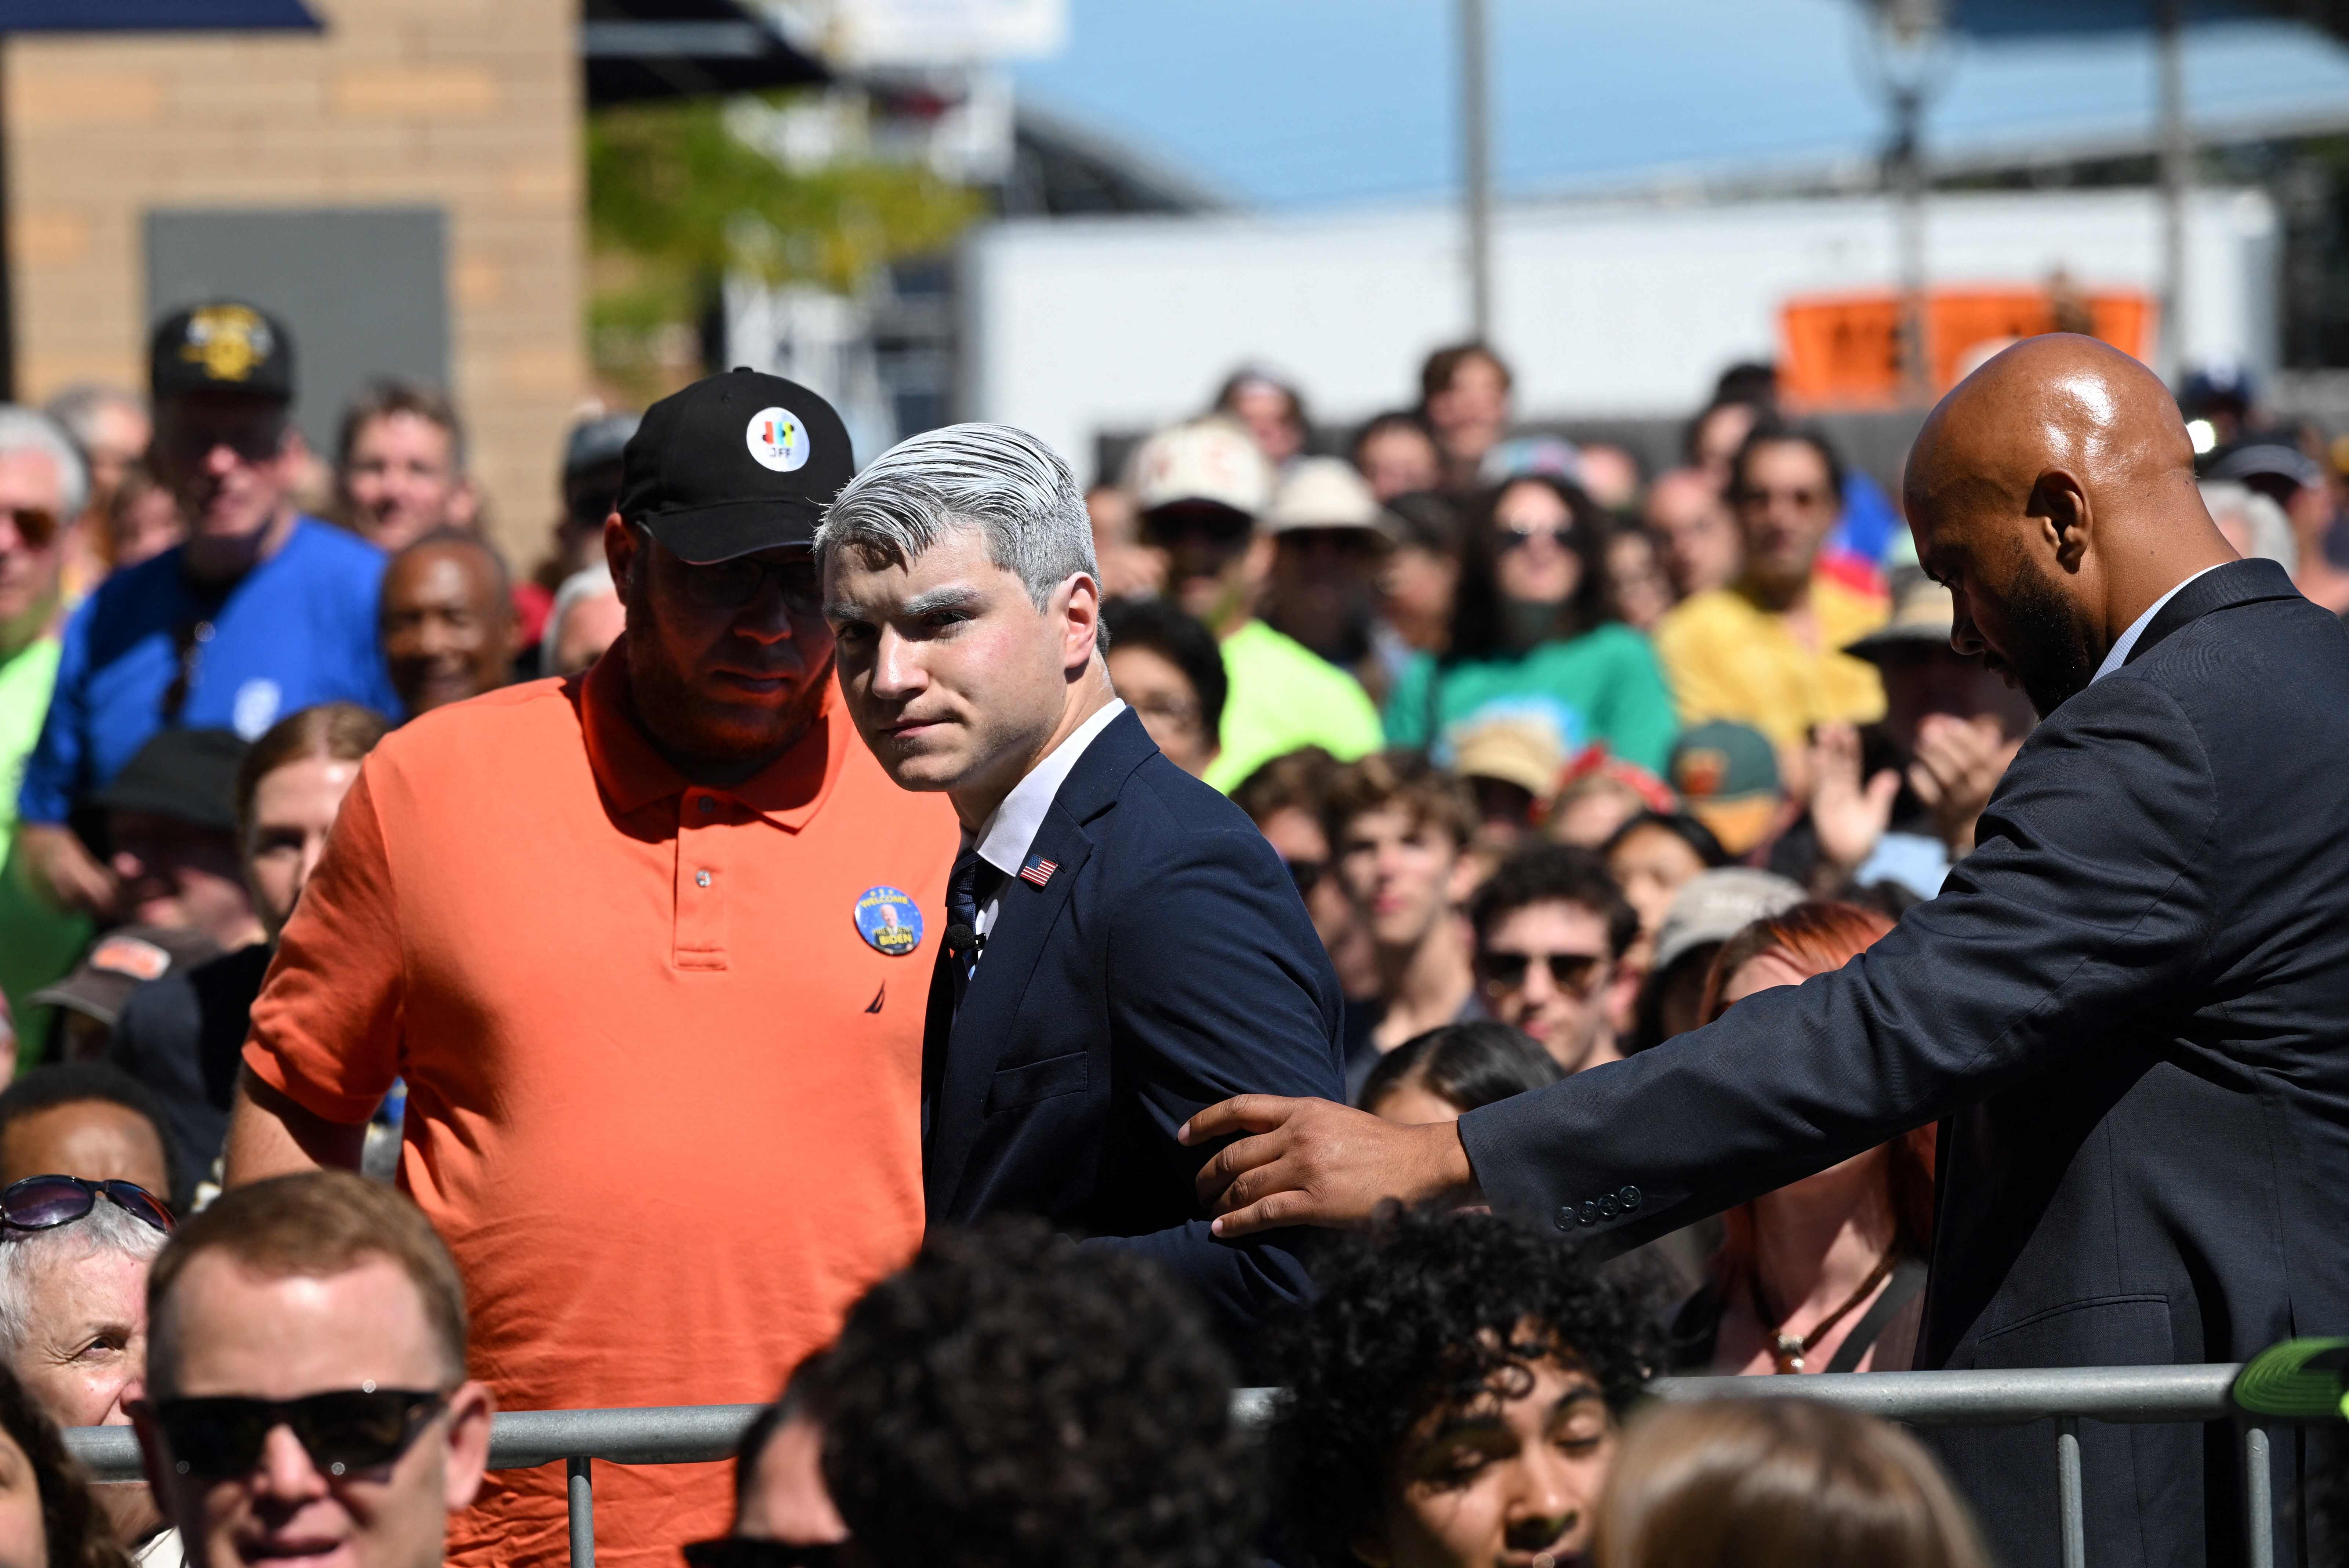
point(1728, 658)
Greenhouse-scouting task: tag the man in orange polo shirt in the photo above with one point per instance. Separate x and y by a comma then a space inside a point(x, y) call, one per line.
point(651, 947)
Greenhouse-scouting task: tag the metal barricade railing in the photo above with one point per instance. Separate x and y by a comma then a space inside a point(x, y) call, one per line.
point(684, 1434)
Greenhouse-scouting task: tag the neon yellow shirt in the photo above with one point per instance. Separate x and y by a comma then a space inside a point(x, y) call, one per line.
point(1283, 696)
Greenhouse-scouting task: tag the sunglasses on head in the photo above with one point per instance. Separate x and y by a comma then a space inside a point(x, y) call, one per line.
point(749, 1552)
point(343, 1430)
point(45, 1202)
point(1575, 972)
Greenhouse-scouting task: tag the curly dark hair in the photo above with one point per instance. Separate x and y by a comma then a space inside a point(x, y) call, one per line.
point(1010, 1399)
point(1555, 873)
point(1421, 1315)
point(78, 1534)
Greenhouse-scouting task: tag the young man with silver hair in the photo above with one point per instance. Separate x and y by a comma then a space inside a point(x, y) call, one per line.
point(1123, 946)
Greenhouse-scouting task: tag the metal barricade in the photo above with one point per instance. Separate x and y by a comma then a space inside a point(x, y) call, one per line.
point(684, 1434)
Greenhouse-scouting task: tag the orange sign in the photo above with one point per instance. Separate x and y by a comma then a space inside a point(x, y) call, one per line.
point(1843, 350)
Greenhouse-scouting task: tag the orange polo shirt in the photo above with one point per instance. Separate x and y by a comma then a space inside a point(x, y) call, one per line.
point(663, 1090)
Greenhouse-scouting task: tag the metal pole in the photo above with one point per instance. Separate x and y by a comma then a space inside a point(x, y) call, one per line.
point(2176, 177)
point(582, 1510)
point(1916, 367)
point(1476, 165)
point(2259, 1500)
point(2068, 1513)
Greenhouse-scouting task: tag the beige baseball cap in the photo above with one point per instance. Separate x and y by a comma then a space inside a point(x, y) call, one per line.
point(1325, 492)
point(1208, 462)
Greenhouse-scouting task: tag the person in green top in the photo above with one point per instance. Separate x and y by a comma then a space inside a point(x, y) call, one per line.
point(1534, 635)
point(44, 484)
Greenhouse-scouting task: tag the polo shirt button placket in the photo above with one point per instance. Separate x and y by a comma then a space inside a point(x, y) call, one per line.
point(700, 920)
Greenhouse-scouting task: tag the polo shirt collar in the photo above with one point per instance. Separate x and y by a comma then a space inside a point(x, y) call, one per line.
point(633, 775)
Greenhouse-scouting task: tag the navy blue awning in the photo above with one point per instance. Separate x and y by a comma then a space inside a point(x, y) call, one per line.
point(155, 16)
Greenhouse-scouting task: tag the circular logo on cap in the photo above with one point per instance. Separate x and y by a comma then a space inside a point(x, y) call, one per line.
point(889, 921)
point(777, 439)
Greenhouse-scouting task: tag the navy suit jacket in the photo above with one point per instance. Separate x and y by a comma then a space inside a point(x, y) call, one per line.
point(1166, 964)
point(2129, 1007)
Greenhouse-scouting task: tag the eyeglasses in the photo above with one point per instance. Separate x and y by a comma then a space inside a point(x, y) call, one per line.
point(1575, 972)
point(343, 1430)
point(1801, 497)
point(750, 1552)
point(1514, 538)
point(730, 585)
point(45, 1202)
point(36, 525)
point(1308, 874)
point(1178, 711)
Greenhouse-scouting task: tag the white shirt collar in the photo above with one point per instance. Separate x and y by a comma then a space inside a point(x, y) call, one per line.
point(2127, 641)
point(1004, 836)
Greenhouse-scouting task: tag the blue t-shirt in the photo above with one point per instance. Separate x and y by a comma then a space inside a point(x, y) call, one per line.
point(297, 629)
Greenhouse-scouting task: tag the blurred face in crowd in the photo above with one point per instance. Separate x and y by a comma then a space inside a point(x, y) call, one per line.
point(97, 1140)
point(1545, 968)
point(294, 810)
point(85, 1349)
point(1723, 432)
point(1270, 415)
point(1404, 873)
point(1207, 551)
point(1509, 1480)
point(24, 1538)
point(1590, 811)
point(1398, 459)
point(589, 627)
point(1635, 570)
point(113, 436)
point(227, 1330)
point(727, 663)
point(1608, 475)
point(1297, 837)
point(144, 525)
point(1471, 413)
point(32, 501)
point(1785, 507)
point(1534, 560)
point(181, 876)
point(1323, 587)
point(786, 1500)
point(955, 676)
point(1162, 697)
point(1650, 865)
point(233, 459)
point(1701, 544)
point(448, 625)
point(1415, 593)
point(401, 483)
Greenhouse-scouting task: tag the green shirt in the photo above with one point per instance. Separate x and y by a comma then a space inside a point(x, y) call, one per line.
point(37, 943)
point(1604, 685)
point(1283, 696)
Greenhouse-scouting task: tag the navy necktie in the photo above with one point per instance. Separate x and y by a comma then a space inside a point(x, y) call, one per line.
point(972, 884)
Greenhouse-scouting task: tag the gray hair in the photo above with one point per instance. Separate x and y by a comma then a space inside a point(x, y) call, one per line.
point(588, 583)
point(29, 430)
point(993, 478)
point(106, 1227)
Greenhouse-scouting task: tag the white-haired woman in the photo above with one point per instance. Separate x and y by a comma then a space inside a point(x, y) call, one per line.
point(74, 1257)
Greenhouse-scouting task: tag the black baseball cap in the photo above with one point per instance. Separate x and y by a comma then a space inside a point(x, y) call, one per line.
point(189, 774)
point(222, 346)
point(734, 463)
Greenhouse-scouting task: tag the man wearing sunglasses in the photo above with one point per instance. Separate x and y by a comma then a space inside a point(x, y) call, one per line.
point(1551, 930)
point(1767, 650)
point(306, 1393)
point(657, 931)
point(259, 612)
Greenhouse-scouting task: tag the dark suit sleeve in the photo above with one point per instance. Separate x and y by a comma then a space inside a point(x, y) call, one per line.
point(1217, 987)
point(2086, 904)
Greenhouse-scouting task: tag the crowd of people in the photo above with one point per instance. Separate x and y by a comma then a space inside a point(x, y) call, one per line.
point(1562, 759)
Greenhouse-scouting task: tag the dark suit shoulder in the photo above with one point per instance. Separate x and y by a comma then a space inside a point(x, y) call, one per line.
point(1167, 814)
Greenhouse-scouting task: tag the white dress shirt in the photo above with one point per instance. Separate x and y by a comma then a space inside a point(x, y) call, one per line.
point(1004, 838)
point(2127, 641)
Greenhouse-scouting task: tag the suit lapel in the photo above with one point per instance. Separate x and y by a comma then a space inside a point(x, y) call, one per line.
point(2220, 588)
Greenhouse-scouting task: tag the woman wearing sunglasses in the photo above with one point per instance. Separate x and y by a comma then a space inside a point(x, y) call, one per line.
point(74, 1257)
point(1534, 635)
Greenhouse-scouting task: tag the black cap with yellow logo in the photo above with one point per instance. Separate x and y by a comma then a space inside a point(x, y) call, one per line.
point(224, 346)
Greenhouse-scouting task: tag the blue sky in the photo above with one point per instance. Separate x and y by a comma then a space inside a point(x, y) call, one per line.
point(1299, 103)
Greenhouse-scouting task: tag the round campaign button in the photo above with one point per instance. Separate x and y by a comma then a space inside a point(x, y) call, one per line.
point(777, 439)
point(889, 920)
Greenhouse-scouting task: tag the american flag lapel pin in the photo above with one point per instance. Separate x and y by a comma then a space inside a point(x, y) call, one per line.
point(1037, 870)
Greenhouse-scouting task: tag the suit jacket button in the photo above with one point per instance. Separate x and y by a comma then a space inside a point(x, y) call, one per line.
point(1565, 1219)
point(1607, 1206)
point(1629, 1198)
point(1590, 1212)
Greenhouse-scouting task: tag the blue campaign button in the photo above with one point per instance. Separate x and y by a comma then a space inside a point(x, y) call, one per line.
point(889, 920)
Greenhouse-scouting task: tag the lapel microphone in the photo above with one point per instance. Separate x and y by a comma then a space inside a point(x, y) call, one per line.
point(961, 939)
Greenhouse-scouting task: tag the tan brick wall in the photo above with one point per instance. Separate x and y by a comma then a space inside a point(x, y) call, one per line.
point(471, 105)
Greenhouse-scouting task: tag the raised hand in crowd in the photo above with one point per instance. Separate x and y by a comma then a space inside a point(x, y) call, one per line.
point(1959, 762)
point(1849, 815)
point(53, 859)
